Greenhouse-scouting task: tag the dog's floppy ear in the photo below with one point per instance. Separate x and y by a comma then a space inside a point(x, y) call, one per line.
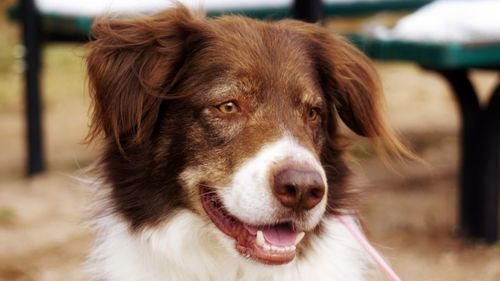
point(353, 86)
point(350, 83)
point(131, 65)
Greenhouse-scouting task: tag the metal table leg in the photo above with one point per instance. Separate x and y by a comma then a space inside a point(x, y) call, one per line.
point(31, 41)
point(308, 10)
point(480, 154)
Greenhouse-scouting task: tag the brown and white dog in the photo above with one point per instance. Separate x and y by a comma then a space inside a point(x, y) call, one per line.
point(222, 158)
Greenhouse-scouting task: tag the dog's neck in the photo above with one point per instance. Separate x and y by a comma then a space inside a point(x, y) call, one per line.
point(188, 248)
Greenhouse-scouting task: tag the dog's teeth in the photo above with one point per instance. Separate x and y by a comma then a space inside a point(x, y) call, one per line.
point(299, 237)
point(260, 241)
point(260, 238)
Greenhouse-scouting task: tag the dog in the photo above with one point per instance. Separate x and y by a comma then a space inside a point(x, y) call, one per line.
point(222, 156)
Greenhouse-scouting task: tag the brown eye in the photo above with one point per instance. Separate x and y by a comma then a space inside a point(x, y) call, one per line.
point(228, 107)
point(313, 114)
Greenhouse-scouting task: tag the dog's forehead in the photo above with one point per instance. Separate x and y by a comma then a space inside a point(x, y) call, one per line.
point(258, 48)
point(260, 60)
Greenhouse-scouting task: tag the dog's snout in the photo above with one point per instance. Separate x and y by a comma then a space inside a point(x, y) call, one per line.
point(298, 189)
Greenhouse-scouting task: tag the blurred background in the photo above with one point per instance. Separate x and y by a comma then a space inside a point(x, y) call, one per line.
point(410, 212)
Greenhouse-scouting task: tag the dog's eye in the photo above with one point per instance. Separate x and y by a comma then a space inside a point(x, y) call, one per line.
point(228, 107)
point(313, 114)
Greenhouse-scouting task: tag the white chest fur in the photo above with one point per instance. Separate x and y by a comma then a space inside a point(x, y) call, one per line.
point(188, 248)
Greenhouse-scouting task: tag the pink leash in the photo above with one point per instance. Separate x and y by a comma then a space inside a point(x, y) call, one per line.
point(369, 248)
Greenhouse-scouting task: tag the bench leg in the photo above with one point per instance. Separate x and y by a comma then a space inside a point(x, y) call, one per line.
point(490, 168)
point(480, 154)
point(308, 10)
point(31, 41)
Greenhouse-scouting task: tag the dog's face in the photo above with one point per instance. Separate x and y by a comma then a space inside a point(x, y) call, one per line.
point(232, 119)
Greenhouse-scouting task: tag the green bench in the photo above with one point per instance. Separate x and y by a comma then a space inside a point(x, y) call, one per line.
point(480, 130)
point(480, 152)
point(59, 26)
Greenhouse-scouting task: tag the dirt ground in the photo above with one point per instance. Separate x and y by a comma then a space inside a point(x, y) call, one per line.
point(409, 211)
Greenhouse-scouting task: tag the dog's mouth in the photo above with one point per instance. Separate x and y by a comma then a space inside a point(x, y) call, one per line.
point(269, 244)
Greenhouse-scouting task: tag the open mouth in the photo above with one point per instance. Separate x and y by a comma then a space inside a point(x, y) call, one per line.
point(269, 244)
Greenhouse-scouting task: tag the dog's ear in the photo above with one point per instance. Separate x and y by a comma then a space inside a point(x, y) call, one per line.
point(132, 64)
point(350, 83)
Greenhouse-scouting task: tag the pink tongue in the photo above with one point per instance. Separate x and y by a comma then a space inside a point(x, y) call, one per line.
point(280, 235)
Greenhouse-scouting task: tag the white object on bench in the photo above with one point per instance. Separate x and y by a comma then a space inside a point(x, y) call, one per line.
point(448, 21)
point(92, 8)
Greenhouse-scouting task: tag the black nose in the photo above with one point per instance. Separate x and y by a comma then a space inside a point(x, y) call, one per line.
point(298, 189)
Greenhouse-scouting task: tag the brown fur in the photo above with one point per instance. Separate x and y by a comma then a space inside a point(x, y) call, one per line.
point(156, 83)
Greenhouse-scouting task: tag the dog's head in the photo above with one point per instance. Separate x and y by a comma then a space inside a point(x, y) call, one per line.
point(231, 118)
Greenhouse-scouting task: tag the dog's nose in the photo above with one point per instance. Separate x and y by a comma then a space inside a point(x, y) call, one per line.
point(298, 189)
